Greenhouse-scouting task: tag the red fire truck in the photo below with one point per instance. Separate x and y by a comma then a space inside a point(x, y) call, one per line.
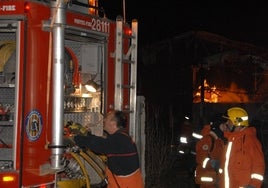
point(50, 51)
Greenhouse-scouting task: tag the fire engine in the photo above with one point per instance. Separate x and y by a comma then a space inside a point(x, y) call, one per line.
point(50, 52)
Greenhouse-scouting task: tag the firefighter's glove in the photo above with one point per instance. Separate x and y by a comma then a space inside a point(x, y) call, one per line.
point(215, 164)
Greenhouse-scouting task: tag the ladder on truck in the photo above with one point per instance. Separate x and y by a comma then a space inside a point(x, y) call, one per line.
point(121, 59)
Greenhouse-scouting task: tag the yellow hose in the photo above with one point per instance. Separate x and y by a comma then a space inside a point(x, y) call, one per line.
point(82, 166)
point(6, 51)
point(94, 161)
point(99, 159)
point(95, 165)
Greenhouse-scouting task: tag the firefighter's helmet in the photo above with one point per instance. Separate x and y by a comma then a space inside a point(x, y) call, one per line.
point(238, 116)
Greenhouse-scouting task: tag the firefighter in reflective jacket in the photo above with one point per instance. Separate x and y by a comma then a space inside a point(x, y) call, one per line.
point(242, 165)
point(208, 152)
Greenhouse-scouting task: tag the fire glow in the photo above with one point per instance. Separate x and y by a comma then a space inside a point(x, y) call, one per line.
point(214, 95)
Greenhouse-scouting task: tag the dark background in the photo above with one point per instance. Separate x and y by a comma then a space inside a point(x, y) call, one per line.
point(238, 20)
point(168, 48)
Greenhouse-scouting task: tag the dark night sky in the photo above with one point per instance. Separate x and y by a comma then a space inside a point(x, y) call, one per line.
point(238, 20)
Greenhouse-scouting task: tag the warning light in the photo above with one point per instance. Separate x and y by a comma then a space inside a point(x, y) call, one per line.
point(128, 31)
point(8, 178)
point(27, 7)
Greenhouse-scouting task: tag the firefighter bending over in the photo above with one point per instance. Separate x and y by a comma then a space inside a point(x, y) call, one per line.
point(208, 152)
point(122, 157)
point(242, 165)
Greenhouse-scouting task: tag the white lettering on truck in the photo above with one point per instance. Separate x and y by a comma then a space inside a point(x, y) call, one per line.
point(94, 24)
point(8, 8)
